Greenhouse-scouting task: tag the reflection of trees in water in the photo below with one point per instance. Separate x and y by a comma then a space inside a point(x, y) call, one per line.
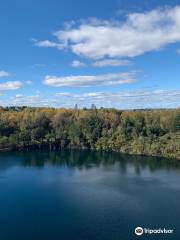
point(85, 159)
point(88, 159)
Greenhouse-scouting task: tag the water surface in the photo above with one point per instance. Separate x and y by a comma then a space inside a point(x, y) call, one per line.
point(86, 195)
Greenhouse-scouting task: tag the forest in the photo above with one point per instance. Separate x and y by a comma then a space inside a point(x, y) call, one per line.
point(143, 132)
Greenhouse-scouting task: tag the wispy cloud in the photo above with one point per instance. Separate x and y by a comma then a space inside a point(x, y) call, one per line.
point(4, 73)
point(91, 80)
point(64, 94)
point(112, 63)
point(49, 44)
point(77, 64)
point(28, 82)
point(19, 96)
point(36, 100)
point(178, 51)
point(38, 65)
point(102, 63)
point(138, 34)
point(124, 100)
point(11, 85)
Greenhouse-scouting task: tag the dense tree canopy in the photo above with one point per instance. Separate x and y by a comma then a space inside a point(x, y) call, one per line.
point(150, 132)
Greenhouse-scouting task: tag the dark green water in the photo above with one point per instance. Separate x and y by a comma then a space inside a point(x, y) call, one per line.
point(85, 195)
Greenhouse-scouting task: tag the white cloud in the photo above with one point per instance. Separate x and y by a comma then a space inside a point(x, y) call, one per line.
point(92, 94)
point(33, 100)
point(47, 43)
point(77, 64)
point(138, 34)
point(103, 63)
point(18, 95)
point(94, 80)
point(11, 85)
point(64, 94)
point(4, 73)
point(112, 63)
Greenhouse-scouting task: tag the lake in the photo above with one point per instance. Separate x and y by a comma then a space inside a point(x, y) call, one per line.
point(87, 195)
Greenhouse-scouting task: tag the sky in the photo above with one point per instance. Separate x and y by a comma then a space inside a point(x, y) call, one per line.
point(123, 54)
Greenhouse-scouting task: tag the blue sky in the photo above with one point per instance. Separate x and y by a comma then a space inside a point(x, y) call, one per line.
point(122, 54)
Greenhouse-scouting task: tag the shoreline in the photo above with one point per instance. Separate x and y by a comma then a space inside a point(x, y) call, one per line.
point(47, 148)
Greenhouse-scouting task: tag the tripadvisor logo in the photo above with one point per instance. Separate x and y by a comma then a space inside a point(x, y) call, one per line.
point(139, 231)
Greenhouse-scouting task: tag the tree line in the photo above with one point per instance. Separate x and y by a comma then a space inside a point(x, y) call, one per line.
point(150, 132)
